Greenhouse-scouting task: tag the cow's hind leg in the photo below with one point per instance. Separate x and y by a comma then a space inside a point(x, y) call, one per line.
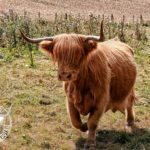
point(130, 116)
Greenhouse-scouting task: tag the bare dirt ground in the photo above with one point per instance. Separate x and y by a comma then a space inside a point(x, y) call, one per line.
point(48, 8)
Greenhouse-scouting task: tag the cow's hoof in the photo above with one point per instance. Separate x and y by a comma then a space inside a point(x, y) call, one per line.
point(89, 143)
point(84, 127)
point(131, 129)
point(128, 129)
point(130, 123)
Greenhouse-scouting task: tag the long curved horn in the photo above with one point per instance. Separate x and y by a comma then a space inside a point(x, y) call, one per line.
point(37, 40)
point(100, 38)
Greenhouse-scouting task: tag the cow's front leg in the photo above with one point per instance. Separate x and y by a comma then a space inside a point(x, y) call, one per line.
point(93, 123)
point(75, 118)
point(92, 126)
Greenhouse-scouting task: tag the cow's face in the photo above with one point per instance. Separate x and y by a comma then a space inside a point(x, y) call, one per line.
point(70, 53)
point(68, 72)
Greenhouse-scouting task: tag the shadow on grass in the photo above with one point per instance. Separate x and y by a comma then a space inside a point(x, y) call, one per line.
point(139, 139)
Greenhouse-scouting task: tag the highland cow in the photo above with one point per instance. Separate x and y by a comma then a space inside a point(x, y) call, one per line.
point(97, 76)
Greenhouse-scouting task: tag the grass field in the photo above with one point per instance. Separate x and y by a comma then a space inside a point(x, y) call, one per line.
point(39, 115)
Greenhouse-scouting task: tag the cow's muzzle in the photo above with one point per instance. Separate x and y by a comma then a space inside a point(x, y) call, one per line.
point(67, 76)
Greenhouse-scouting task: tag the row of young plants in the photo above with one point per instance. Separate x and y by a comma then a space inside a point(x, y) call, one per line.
point(13, 44)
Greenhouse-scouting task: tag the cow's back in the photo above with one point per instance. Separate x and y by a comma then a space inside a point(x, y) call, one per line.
point(123, 69)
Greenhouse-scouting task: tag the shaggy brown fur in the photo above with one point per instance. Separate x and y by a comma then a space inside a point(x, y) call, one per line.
point(98, 77)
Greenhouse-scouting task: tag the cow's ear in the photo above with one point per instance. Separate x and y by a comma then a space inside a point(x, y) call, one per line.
point(89, 45)
point(46, 46)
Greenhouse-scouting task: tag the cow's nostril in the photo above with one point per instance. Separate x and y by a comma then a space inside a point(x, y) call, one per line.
point(68, 76)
